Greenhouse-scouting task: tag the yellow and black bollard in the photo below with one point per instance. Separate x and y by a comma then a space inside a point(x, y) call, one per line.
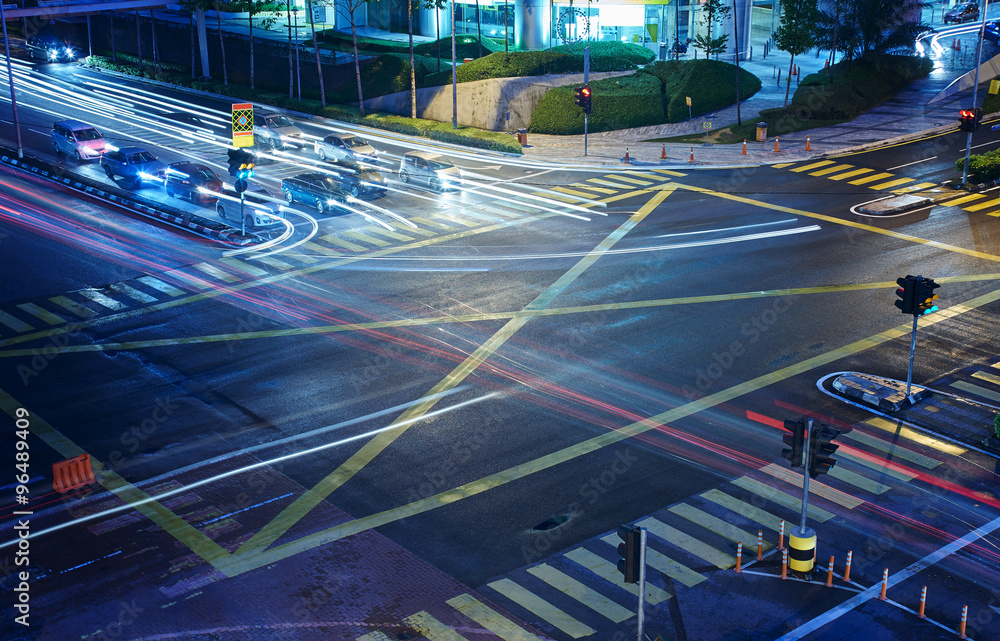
point(802, 549)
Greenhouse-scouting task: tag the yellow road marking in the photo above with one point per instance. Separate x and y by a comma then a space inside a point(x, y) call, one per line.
point(41, 313)
point(817, 488)
point(849, 174)
point(587, 596)
point(160, 286)
point(575, 192)
point(872, 178)
point(881, 468)
point(891, 183)
point(542, 608)
point(14, 322)
point(815, 165)
point(215, 272)
point(663, 563)
point(687, 543)
point(859, 481)
point(608, 183)
point(720, 527)
point(305, 259)
point(133, 293)
point(609, 572)
point(312, 497)
point(830, 170)
point(343, 244)
point(73, 306)
point(917, 437)
point(274, 262)
point(431, 628)
point(782, 165)
point(388, 234)
point(977, 390)
point(356, 235)
point(961, 199)
point(986, 376)
point(431, 223)
point(630, 179)
point(743, 508)
point(669, 172)
point(600, 190)
point(102, 300)
point(242, 266)
point(489, 619)
point(774, 495)
point(981, 206)
point(892, 449)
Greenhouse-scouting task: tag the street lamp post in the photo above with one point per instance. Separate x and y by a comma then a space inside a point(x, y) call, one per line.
point(298, 69)
point(10, 79)
point(975, 92)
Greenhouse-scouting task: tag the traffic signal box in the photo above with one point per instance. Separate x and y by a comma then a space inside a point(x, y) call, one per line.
point(629, 550)
point(906, 293)
point(794, 441)
point(916, 295)
point(822, 448)
point(582, 96)
point(241, 164)
point(968, 119)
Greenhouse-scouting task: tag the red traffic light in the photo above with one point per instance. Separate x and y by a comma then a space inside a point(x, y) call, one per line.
point(585, 92)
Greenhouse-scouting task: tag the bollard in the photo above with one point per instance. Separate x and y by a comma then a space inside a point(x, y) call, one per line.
point(885, 583)
point(808, 146)
point(627, 161)
point(802, 549)
point(691, 158)
point(744, 152)
point(847, 570)
point(776, 145)
point(663, 154)
point(829, 574)
point(779, 77)
point(923, 601)
point(781, 536)
point(784, 564)
point(760, 544)
point(961, 626)
point(739, 557)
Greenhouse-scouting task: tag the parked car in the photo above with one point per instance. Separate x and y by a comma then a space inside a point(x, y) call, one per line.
point(319, 190)
point(275, 130)
point(355, 179)
point(191, 180)
point(78, 139)
point(50, 48)
point(992, 32)
point(962, 13)
point(340, 147)
point(134, 164)
point(259, 210)
point(427, 168)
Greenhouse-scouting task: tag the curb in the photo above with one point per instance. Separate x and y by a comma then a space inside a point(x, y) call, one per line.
point(906, 203)
point(151, 209)
point(877, 391)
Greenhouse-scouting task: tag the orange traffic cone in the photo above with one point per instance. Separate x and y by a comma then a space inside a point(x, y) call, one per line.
point(691, 157)
point(808, 146)
point(776, 145)
point(627, 160)
point(744, 152)
point(663, 154)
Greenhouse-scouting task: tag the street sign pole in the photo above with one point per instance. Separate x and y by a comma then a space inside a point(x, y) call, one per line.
point(642, 583)
point(243, 218)
point(913, 347)
point(586, 83)
point(975, 91)
point(805, 476)
point(10, 78)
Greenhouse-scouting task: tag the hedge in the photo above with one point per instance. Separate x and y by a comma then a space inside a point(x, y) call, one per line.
point(604, 56)
point(617, 103)
point(636, 54)
point(991, 104)
point(710, 84)
point(982, 167)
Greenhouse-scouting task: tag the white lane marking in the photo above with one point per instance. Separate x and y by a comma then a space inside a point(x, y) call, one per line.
point(916, 162)
point(710, 231)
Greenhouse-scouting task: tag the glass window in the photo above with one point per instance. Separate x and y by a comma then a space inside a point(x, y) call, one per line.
point(141, 157)
point(279, 121)
point(439, 164)
point(88, 134)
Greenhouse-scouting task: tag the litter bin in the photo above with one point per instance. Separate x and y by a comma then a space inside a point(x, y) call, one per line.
point(522, 137)
point(761, 131)
point(663, 51)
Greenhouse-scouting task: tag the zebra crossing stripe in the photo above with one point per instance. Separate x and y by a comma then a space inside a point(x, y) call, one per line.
point(102, 300)
point(897, 452)
point(819, 489)
point(374, 636)
point(305, 259)
point(160, 286)
point(870, 179)
point(961, 199)
point(133, 293)
point(242, 266)
point(986, 376)
point(13, 322)
point(600, 190)
point(608, 183)
point(815, 165)
point(388, 234)
point(663, 563)
point(431, 628)
point(345, 244)
point(688, 543)
point(452, 218)
point(881, 466)
point(356, 235)
point(274, 262)
point(609, 572)
point(669, 172)
point(891, 183)
point(981, 206)
point(743, 508)
point(717, 525)
point(73, 307)
point(630, 179)
point(857, 480)
point(829, 170)
point(41, 313)
point(320, 249)
point(919, 437)
point(849, 174)
point(489, 619)
point(580, 592)
point(215, 272)
point(783, 499)
point(542, 608)
point(431, 223)
point(978, 391)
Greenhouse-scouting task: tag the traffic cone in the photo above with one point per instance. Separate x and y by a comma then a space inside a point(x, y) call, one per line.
point(808, 146)
point(663, 154)
point(691, 157)
point(627, 160)
point(744, 152)
point(776, 145)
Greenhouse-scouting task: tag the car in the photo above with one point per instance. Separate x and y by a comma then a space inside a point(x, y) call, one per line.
point(259, 209)
point(428, 168)
point(356, 179)
point(992, 32)
point(318, 190)
point(50, 48)
point(135, 165)
point(193, 181)
point(962, 13)
point(275, 130)
point(339, 147)
point(78, 139)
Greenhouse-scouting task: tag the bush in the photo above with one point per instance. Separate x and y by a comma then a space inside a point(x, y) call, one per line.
point(982, 167)
point(610, 50)
point(618, 103)
point(710, 84)
point(991, 104)
point(518, 64)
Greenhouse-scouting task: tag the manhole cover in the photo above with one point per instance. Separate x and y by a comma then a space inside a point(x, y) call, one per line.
point(551, 524)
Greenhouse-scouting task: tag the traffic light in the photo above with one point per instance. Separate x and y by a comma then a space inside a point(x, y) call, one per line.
point(968, 119)
point(235, 158)
point(924, 297)
point(821, 450)
point(578, 96)
point(241, 163)
point(585, 98)
point(906, 293)
point(794, 441)
point(629, 551)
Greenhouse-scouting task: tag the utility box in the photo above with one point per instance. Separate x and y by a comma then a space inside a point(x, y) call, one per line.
point(522, 137)
point(761, 131)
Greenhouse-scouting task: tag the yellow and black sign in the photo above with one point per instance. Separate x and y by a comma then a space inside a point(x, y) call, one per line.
point(243, 125)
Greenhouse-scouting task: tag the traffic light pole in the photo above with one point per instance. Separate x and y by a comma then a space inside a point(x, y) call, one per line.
point(968, 140)
point(807, 456)
point(243, 218)
point(10, 78)
point(642, 584)
point(913, 347)
point(584, 134)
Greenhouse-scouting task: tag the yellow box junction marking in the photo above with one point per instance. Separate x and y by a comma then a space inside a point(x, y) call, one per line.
point(243, 125)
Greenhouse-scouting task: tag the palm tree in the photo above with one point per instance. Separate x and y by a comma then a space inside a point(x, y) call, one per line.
point(319, 65)
point(111, 19)
point(350, 7)
point(156, 49)
point(413, 73)
point(870, 29)
point(222, 44)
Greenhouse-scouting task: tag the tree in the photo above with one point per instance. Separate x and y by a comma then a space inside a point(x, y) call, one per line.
point(413, 72)
point(870, 29)
point(349, 8)
point(797, 32)
point(138, 37)
point(252, 8)
point(192, 7)
point(222, 44)
point(712, 11)
point(319, 65)
point(156, 49)
point(111, 19)
point(291, 65)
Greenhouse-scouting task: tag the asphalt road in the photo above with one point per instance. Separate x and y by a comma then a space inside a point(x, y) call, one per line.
point(499, 333)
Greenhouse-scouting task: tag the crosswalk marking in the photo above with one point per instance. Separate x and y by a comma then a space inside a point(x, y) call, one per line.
point(850, 174)
point(431, 628)
point(954, 202)
point(981, 206)
point(918, 437)
point(305, 259)
point(916, 187)
point(829, 170)
point(663, 563)
point(783, 499)
point(892, 449)
point(600, 190)
point(160, 286)
point(356, 235)
point(580, 592)
point(556, 197)
point(275, 263)
point(986, 376)
point(242, 266)
point(743, 508)
point(374, 636)
point(815, 165)
point(609, 572)
point(542, 608)
point(424, 232)
point(344, 244)
point(73, 307)
point(717, 525)
point(669, 172)
point(190, 279)
point(215, 272)
point(320, 249)
point(819, 489)
point(14, 323)
point(891, 183)
point(102, 300)
point(872, 178)
point(687, 543)
point(975, 389)
point(576, 192)
point(630, 179)
point(388, 234)
point(780, 165)
point(41, 313)
point(857, 480)
point(882, 467)
point(132, 292)
point(486, 617)
point(452, 218)
point(608, 183)
point(434, 223)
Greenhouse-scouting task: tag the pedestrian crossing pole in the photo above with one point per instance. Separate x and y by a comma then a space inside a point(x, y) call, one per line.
point(802, 542)
point(642, 583)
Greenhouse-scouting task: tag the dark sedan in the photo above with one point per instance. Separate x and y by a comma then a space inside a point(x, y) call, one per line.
point(193, 181)
point(50, 49)
point(992, 32)
point(962, 13)
point(319, 190)
point(357, 180)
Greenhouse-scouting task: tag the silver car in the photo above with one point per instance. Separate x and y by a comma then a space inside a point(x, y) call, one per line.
point(78, 139)
point(275, 130)
point(430, 169)
point(345, 148)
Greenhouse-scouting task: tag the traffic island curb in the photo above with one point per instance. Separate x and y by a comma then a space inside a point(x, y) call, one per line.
point(894, 205)
point(885, 394)
point(129, 201)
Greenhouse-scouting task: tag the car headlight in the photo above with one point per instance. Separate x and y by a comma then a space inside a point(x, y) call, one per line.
point(69, 51)
point(53, 54)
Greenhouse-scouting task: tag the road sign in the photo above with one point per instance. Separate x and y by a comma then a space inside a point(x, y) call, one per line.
point(706, 125)
point(243, 125)
point(687, 99)
point(994, 86)
point(319, 13)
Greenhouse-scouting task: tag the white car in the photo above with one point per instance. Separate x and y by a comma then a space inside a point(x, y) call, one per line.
point(430, 169)
point(345, 148)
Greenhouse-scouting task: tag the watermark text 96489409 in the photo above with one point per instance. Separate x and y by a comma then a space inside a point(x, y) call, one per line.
point(22, 526)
